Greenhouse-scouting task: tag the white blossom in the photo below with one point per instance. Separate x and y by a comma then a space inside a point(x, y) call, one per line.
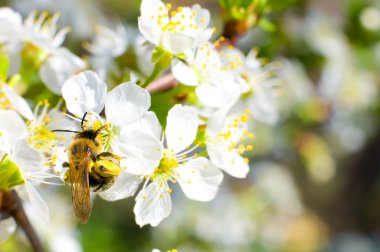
point(174, 31)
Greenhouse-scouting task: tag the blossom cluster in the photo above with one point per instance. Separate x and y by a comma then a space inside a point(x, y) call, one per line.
point(201, 138)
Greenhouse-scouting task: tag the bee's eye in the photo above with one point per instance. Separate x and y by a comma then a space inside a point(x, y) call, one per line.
point(102, 168)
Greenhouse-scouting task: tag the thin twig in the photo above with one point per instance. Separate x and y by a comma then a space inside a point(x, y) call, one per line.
point(164, 83)
point(11, 206)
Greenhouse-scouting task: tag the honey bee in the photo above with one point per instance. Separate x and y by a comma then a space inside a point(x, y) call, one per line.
point(89, 169)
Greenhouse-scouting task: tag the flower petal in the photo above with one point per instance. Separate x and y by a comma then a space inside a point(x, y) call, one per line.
point(153, 204)
point(13, 124)
point(27, 158)
point(181, 127)
point(148, 123)
point(229, 161)
point(7, 228)
point(58, 68)
point(37, 202)
point(215, 96)
point(184, 73)
point(84, 92)
point(176, 42)
point(126, 103)
point(10, 24)
point(17, 102)
point(125, 186)
point(263, 104)
point(141, 151)
point(199, 179)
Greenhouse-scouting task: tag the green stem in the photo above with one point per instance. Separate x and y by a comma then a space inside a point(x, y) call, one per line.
point(152, 77)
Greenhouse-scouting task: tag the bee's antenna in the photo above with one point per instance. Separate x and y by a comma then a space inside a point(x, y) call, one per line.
point(83, 119)
point(72, 131)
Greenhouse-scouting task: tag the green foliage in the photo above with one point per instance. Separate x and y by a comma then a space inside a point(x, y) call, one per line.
point(4, 66)
point(10, 174)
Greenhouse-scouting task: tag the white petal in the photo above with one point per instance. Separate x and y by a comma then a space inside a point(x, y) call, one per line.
point(229, 161)
point(214, 96)
point(17, 102)
point(142, 151)
point(148, 123)
point(84, 92)
point(263, 104)
point(176, 42)
point(7, 228)
point(10, 25)
point(150, 32)
point(126, 103)
point(137, 165)
point(184, 73)
point(217, 119)
point(37, 202)
point(181, 127)
point(139, 142)
point(125, 186)
point(58, 68)
point(13, 124)
point(199, 179)
point(153, 204)
point(27, 158)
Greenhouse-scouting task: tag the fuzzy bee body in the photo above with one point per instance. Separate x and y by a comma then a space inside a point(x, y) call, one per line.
point(90, 169)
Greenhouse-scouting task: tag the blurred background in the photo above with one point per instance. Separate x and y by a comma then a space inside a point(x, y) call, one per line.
point(314, 183)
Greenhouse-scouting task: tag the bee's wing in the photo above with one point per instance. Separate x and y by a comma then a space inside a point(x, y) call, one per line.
point(80, 187)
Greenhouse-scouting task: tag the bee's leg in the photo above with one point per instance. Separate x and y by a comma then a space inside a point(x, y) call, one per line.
point(108, 154)
point(65, 165)
point(66, 177)
point(104, 127)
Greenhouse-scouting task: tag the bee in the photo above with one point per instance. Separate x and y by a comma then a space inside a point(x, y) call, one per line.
point(90, 169)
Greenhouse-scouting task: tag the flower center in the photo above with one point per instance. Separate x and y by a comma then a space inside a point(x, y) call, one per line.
point(4, 101)
point(165, 170)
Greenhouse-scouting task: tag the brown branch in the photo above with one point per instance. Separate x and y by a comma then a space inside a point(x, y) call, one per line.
point(164, 83)
point(11, 206)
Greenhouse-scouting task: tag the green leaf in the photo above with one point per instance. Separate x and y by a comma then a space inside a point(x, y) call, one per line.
point(4, 66)
point(266, 25)
point(10, 174)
